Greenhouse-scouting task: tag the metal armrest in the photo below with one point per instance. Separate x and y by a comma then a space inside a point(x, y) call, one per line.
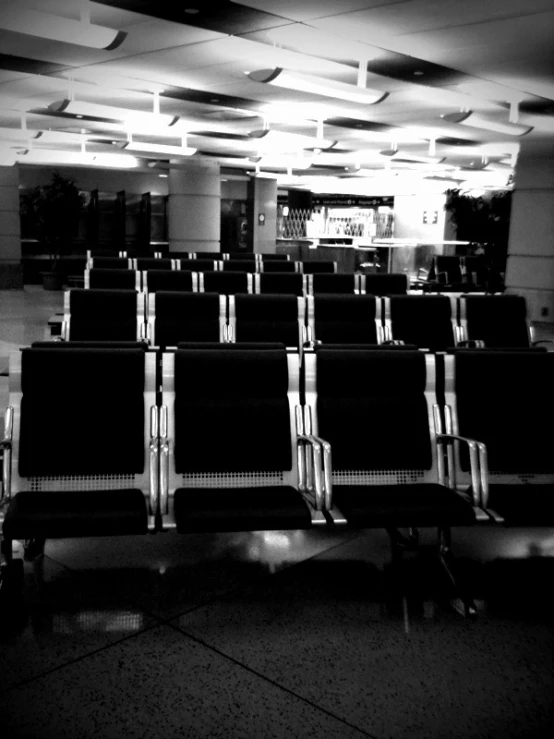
point(154, 460)
point(327, 481)
point(6, 444)
point(164, 461)
point(478, 466)
point(317, 465)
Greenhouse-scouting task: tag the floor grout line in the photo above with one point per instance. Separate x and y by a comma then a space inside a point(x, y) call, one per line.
point(267, 679)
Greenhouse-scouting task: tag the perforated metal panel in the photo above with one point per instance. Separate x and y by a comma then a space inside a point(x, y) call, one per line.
point(79, 483)
point(232, 479)
point(380, 477)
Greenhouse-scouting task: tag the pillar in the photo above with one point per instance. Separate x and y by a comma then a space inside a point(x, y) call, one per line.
point(262, 214)
point(11, 271)
point(194, 207)
point(530, 263)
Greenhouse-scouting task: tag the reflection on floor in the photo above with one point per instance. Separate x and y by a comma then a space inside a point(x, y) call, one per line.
point(275, 634)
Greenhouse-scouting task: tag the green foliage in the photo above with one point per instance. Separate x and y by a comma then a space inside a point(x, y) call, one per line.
point(54, 211)
point(482, 220)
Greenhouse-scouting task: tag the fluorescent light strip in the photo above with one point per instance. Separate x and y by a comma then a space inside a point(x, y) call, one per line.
point(174, 151)
point(47, 156)
point(269, 140)
point(317, 86)
point(107, 114)
point(56, 28)
point(471, 119)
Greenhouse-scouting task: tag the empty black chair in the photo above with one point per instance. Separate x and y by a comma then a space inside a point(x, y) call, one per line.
point(103, 315)
point(53, 344)
point(196, 265)
point(170, 279)
point(213, 255)
point(383, 468)
point(225, 283)
point(274, 257)
point(344, 319)
point(239, 255)
point(175, 317)
point(504, 399)
point(274, 265)
point(316, 265)
point(495, 320)
point(231, 458)
point(267, 318)
point(423, 320)
point(112, 279)
point(239, 265)
point(110, 263)
point(333, 283)
point(279, 283)
point(151, 263)
point(82, 453)
point(446, 270)
point(394, 283)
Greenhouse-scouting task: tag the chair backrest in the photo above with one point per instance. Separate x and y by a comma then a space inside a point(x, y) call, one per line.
point(474, 270)
point(333, 283)
point(395, 283)
point(151, 263)
point(169, 279)
point(217, 255)
point(274, 257)
point(279, 283)
point(375, 408)
point(112, 279)
point(174, 317)
point(497, 320)
point(110, 263)
point(504, 399)
point(423, 320)
point(226, 283)
point(239, 265)
point(345, 319)
point(316, 265)
point(103, 315)
point(239, 255)
point(268, 318)
point(197, 265)
point(275, 265)
point(82, 419)
point(240, 432)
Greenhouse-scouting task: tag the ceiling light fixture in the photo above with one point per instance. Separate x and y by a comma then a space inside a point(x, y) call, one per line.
point(45, 25)
point(134, 119)
point(269, 140)
point(174, 151)
point(317, 86)
point(469, 118)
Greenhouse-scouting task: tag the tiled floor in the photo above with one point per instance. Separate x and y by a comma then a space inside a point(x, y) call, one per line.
point(273, 634)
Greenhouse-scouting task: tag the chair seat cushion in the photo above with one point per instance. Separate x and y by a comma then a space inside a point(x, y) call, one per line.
point(60, 515)
point(523, 505)
point(240, 509)
point(425, 504)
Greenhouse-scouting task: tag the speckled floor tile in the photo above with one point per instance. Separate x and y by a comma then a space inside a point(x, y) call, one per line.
point(59, 620)
point(168, 574)
point(162, 684)
point(422, 673)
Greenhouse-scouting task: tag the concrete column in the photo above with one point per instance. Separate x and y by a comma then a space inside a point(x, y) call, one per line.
point(530, 264)
point(262, 196)
point(194, 208)
point(11, 271)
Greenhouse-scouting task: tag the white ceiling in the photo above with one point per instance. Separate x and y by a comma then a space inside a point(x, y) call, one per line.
point(432, 57)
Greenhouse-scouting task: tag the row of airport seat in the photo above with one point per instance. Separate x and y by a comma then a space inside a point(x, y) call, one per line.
point(245, 282)
point(209, 265)
point(91, 253)
point(232, 444)
point(165, 318)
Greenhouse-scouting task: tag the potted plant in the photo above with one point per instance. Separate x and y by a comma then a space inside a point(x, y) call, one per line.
point(54, 211)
